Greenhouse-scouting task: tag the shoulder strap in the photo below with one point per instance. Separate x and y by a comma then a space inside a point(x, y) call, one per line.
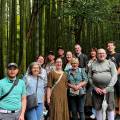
point(37, 83)
point(14, 84)
point(57, 82)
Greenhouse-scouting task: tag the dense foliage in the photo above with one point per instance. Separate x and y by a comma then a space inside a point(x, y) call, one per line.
point(32, 27)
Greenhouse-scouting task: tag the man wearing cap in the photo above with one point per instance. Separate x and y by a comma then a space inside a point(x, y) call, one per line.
point(50, 62)
point(12, 106)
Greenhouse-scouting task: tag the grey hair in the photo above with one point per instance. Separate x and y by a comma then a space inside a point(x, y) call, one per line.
point(29, 71)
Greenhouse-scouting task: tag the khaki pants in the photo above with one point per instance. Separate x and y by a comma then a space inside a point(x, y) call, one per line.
point(9, 116)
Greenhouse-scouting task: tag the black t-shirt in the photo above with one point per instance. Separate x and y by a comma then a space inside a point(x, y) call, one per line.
point(83, 59)
point(115, 58)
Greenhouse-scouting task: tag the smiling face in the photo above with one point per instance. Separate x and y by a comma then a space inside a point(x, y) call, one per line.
point(60, 52)
point(40, 60)
point(51, 57)
point(93, 54)
point(69, 56)
point(110, 47)
point(12, 72)
point(101, 54)
point(78, 49)
point(35, 70)
point(58, 63)
point(74, 63)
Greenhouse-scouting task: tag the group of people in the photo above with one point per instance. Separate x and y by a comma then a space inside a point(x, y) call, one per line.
point(62, 84)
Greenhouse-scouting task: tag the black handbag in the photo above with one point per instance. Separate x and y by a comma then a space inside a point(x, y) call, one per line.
point(32, 101)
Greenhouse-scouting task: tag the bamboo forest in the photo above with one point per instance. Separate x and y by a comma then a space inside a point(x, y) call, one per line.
point(33, 27)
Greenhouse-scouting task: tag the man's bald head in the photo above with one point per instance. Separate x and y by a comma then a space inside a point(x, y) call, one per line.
point(101, 54)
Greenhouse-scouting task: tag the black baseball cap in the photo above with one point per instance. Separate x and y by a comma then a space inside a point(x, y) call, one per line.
point(50, 52)
point(12, 65)
point(60, 47)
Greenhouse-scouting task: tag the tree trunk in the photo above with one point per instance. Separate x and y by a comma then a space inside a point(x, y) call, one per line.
point(78, 24)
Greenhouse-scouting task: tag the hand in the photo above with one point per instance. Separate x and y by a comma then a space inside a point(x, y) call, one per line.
point(48, 101)
point(75, 87)
point(99, 91)
point(104, 91)
point(78, 86)
point(21, 117)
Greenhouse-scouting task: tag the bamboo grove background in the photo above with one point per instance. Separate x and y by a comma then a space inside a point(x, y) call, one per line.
point(32, 27)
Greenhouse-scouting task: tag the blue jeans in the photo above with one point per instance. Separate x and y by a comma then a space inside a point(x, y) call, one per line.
point(35, 113)
point(77, 106)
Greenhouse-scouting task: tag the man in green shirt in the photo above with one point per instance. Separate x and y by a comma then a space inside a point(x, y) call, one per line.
point(12, 107)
